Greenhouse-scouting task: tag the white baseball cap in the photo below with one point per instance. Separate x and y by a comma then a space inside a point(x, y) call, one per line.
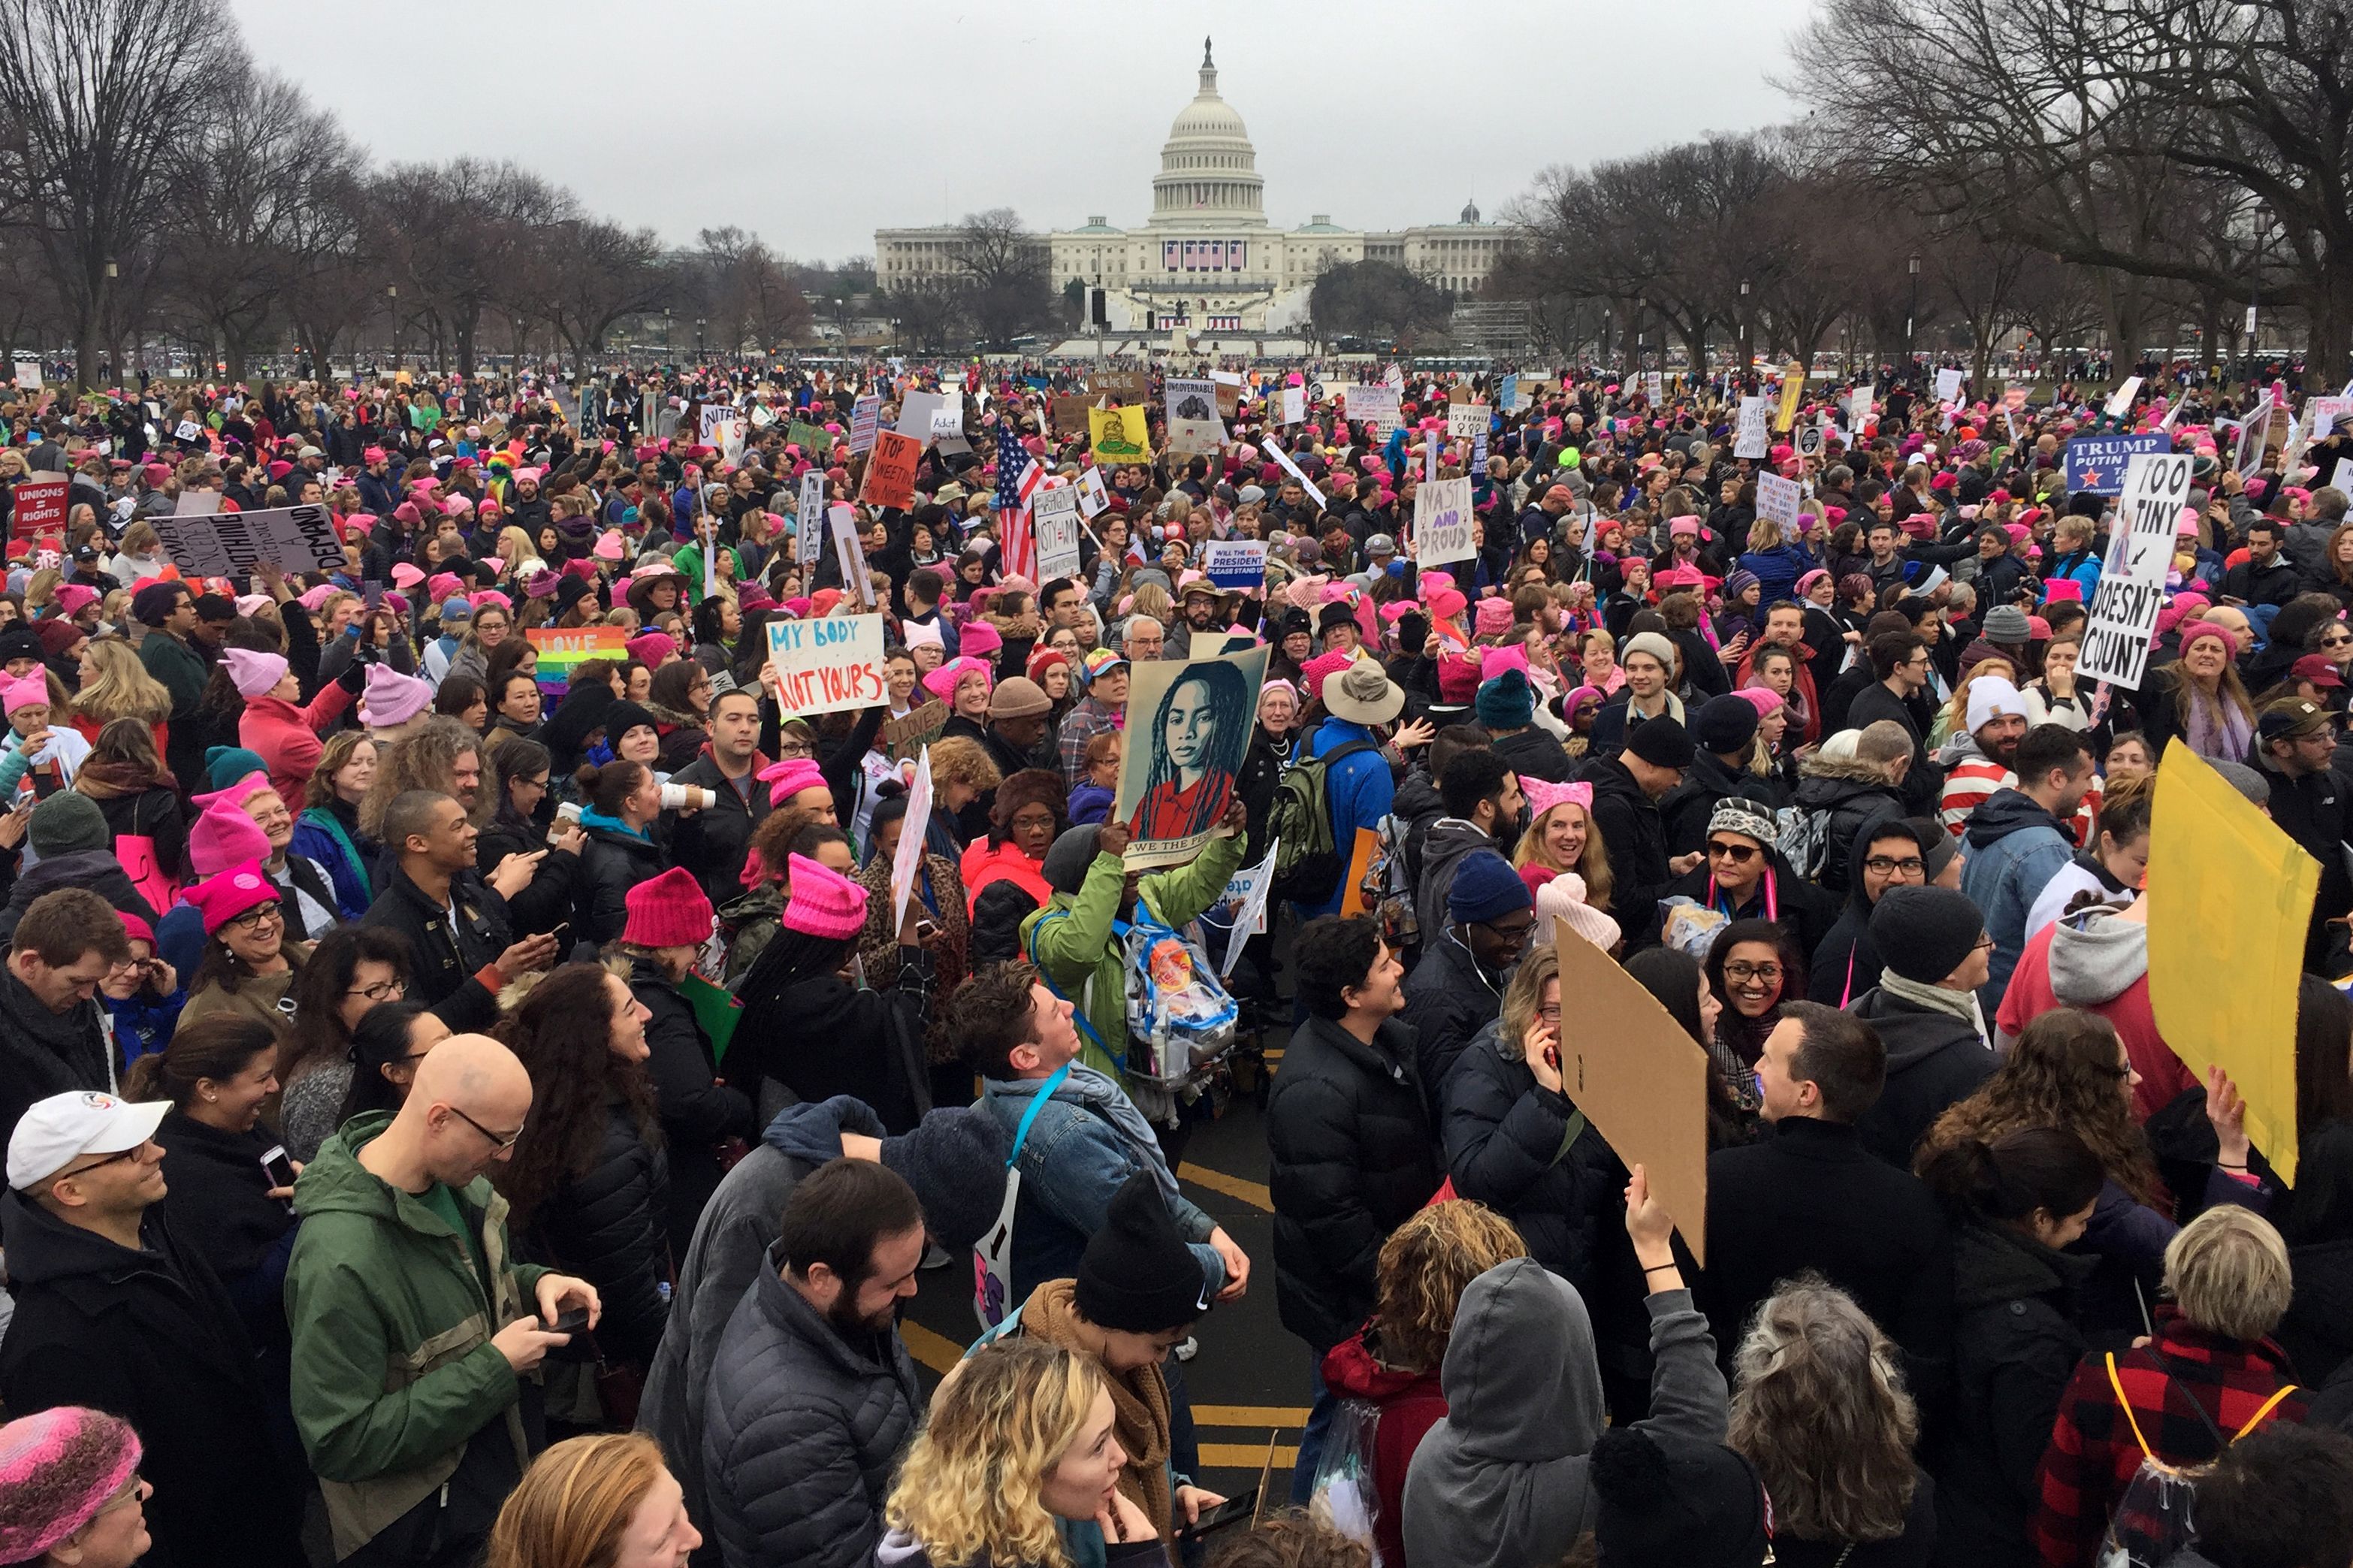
point(57, 1131)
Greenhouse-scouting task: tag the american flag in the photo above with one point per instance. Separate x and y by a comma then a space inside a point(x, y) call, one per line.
point(1018, 479)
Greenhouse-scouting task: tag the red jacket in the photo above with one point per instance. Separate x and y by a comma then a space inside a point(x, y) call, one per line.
point(1410, 1404)
point(1005, 863)
point(287, 737)
point(2094, 1453)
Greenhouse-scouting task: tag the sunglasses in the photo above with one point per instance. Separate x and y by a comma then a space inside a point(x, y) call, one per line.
point(1738, 854)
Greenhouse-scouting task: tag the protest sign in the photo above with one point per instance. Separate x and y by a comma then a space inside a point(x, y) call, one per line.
point(1753, 440)
point(1948, 384)
point(1641, 1080)
point(1442, 523)
point(1297, 474)
point(2013, 399)
point(1189, 728)
point(912, 731)
point(1243, 907)
point(1068, 414)
point(39, 506)
point(1118, 434)
point(814, 443)
point(1230, 393)
point(1654, 386)
point(1192, 413)
point(2229, 897)
point(1235, 562)
point(1376, 406)
point(827, 664)
point(915, 410)
point(1126, 389)
point(2320, 413)
point(851, 552)
point(563, 649)
point(1509, 396)
point(1054, 514)
point(1093, 499)
point(909, 858)
point(713, 421)
point(28, 376)
point(232, 543)
point(809, 529)
point(947, 418)
point(2343, 477)
point(2122, 399)
point(1294, 405)
point(1809, 441)
point(2096, 463)
point(1778, 498)
point(891, 469)
point(865, 419)
point(1466, 421)
point(1793, 388)
point(187, 430)
point(2132, 579)
point(1858, 405)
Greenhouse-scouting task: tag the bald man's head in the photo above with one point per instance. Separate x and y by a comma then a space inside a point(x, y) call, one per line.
point(467, 1103)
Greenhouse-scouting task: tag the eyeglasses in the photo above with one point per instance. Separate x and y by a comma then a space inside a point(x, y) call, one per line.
point(1742, 974)
point(1738, 854)
point(382, 990)
point(2337, 642)
point(256, 915)
point(788, 750)
point(137, 1490)
point(501, 1144)
point(103, 1159)
point(1888, 865)
point(1514, 935)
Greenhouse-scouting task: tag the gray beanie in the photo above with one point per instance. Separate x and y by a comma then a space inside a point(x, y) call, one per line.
point(1065, 867)
point(68, 822)
point(2006, 623)
point(954, 1158)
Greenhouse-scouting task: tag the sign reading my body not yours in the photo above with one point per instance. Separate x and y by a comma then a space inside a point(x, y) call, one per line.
point(828, 664)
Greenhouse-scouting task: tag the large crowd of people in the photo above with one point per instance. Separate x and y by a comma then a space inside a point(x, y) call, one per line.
point(480, 1084)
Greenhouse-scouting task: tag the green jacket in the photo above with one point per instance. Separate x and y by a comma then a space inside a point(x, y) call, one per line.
point(394, 1371)
point(689, 560)
point(180, 667)
point(1083, 956)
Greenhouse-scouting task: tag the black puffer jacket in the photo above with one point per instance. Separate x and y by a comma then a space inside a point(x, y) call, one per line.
point(1446, 1002)
point(1635, 838)
point(1933, 1060)
point(2015, 1346)
point(611, 863)
point(1503, 1147)
point(608, 1227)
point(1842, 799)
point(44, 1053)
point(699, 1110)
point(801, 1431)
point(1686, 808)
point(99, 870)
point(1348, 1159)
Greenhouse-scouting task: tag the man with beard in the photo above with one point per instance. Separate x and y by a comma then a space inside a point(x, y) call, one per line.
point(1979, 764)
point(812, 1395)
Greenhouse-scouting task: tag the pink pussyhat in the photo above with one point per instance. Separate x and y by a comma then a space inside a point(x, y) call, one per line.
point(789, 778)
point(824, 903)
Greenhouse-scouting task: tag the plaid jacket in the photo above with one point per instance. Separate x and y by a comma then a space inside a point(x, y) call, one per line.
point(2093, 1457)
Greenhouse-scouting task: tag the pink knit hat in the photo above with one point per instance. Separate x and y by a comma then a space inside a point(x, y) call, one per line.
point(823, 903)
point(58, 1468)
point(1322, 667)
point(255, 674)
point(225, 895)
point(223, 835)
point(1494, 618)
point(29, 691)
point(942, 682)
point(671, 910)
point(1764, 699)
point(393, 698)
point(653, 648)
point(789, 778)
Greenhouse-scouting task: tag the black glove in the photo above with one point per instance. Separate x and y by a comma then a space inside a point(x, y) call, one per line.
point(354, 679)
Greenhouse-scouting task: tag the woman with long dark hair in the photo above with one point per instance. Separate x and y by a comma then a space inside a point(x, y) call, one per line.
point(1752, 964)
point(138, 796)
point(354, 970)
point(1200, 729)
point(386, 1046)
point(587, 1179)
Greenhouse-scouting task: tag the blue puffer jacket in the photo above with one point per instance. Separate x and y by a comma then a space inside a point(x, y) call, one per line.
point(1778, 571)
point(2014, 848)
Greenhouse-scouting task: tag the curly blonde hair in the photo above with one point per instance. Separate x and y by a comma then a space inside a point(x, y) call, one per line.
point(1003, 1418)
point(115, 685)
point(1823, 1415)
point(1424, 1266)
point(960, 759)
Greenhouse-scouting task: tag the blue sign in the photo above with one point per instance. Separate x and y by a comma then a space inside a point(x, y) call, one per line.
point(2096, 463)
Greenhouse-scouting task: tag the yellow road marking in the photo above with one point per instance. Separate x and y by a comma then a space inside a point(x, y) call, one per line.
point(1249, 1415)
point(1254, 1194)
point(935, 1351)
point(1248, 1456)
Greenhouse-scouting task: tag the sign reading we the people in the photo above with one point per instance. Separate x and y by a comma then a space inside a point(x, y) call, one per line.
point(1188, 729)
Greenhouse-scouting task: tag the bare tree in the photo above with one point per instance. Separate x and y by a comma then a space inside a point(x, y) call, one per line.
point(454, 232)
point(96, 94)
point(596, 273)
point(1005, 268)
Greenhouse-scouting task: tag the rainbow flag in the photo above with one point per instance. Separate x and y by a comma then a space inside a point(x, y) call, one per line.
point(563, 650)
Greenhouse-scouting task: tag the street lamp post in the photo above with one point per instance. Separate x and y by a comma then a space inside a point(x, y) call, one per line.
point(392, 303)
point(1912, 311)
point(1742, 374)
point(699, 322)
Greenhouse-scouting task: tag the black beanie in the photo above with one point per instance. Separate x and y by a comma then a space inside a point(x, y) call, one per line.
point(1725, 724)
point(1136, 1273)
point(1662, 743)
point(1925, 933)
point(1670, 1502)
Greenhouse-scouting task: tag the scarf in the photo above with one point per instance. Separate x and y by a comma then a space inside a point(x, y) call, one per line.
point(2217, 728)
point(113, 781)
point(1961, 1004)
point(1139, 1402)
point(594, 818)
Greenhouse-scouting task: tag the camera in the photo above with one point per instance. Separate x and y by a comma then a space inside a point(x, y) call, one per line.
point(686, 797)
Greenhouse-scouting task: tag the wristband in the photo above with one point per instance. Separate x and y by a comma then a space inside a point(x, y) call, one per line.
point(1660, 1268)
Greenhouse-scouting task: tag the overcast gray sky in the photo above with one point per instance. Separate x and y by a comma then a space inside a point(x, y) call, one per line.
point(815, 124)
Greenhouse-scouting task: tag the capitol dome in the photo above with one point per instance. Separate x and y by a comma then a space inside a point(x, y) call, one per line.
point(1209, 170)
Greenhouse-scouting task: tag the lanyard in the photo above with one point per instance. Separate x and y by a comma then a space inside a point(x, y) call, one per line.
point(1037, 1103)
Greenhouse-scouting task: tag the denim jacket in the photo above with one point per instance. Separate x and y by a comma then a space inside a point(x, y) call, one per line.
point(1087, 1140)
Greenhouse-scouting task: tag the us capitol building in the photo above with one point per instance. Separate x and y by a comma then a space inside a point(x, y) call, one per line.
point(1207, 260)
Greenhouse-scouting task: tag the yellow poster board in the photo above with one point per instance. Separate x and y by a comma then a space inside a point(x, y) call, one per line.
point(1118, 434)
point(2229, 897)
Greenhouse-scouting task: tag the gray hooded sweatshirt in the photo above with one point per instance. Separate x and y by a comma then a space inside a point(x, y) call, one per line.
point(1503, 1480)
